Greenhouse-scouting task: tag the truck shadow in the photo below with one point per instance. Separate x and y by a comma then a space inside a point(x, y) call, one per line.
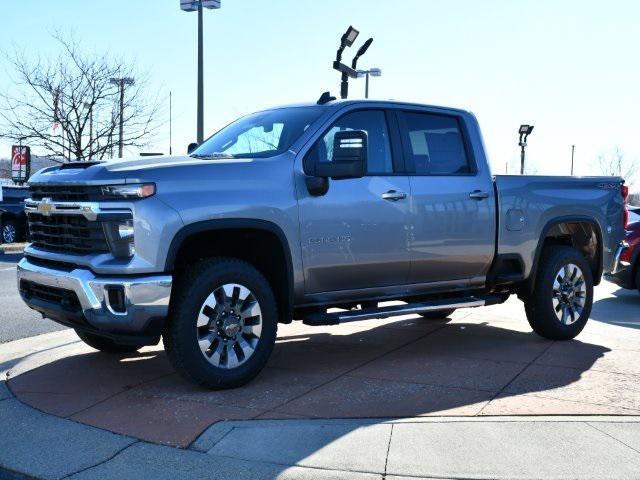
point(623, 309)
point(405, 368)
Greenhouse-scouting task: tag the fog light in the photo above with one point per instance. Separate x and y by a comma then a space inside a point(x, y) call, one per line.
point(125, 230)
point(120, 236)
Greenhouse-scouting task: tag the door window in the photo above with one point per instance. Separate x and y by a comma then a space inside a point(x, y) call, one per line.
point(374, 123)
point(434, 144)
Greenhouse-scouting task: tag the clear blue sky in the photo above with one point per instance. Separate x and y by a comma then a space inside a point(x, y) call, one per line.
point(569, 67)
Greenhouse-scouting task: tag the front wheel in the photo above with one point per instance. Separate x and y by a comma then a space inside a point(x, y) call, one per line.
point(560, 304)
point(223, 323)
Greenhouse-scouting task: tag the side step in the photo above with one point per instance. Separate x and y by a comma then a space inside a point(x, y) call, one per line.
point(395, 310)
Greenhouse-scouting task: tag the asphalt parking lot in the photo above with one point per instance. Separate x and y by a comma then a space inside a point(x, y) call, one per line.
point(480, 362)
point(16, 320)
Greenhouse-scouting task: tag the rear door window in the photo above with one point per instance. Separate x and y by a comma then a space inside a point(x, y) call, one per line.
point(434, 144)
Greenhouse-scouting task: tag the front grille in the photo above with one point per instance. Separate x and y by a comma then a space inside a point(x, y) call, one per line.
point(67, 299)
point(66, 234)
point(65, 193)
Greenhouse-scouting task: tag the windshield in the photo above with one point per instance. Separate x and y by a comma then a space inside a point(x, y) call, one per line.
point(262, 134)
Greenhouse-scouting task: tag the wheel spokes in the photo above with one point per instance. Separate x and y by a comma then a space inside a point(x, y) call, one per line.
point(229, 326)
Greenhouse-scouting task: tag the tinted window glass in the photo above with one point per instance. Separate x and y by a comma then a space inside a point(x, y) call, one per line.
point(435, 144)
point(262, 134)
point(374, 123)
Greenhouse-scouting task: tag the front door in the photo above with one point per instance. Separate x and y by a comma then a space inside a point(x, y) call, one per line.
point(355, 236)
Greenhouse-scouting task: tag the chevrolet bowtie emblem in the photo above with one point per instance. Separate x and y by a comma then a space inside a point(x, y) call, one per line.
point(45, 207)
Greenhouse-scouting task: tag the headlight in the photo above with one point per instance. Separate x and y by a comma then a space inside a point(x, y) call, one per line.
point(120, 236)
point(128, 190)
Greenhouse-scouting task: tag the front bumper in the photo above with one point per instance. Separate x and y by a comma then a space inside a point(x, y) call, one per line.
point(621, 272)
point(141, 311)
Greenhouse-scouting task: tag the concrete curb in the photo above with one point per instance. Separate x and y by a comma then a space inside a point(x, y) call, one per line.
point(12, 249)
point(35, 445)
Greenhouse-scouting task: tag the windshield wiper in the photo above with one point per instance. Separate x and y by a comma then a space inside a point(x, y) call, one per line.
point(209, 156)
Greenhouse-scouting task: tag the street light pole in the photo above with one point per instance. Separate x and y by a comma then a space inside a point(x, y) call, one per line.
point(524, 131)
point(200, 132)
point(199, 6)
point(573, 149)
point(366, 86)
point(373, 72)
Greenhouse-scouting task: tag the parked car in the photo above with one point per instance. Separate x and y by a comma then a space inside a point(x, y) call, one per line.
point(290, 212)
point(13, 220)
point(626, 272)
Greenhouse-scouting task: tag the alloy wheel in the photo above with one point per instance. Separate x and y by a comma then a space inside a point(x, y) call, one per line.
point(229, 326)
point(9, 233)
point(569, 294)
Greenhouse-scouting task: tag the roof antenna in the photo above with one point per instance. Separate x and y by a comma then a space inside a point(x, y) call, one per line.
point(325, 98)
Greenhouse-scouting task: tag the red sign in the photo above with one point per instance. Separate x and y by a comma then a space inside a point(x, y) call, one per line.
point(20, 163)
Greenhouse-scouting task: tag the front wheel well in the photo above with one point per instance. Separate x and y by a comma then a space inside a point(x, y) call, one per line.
point(264, 249)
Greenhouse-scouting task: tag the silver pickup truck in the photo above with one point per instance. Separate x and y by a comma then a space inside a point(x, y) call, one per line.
point(317, 212)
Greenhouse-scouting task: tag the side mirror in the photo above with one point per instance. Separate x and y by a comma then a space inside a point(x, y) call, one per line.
point(349, 156)
point(192, 146)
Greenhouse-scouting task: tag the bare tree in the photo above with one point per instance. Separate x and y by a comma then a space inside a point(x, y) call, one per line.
point(69, 107)
point(616, 164)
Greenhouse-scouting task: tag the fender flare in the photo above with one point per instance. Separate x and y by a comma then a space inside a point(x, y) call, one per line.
point(568, 219)
point(230, 224)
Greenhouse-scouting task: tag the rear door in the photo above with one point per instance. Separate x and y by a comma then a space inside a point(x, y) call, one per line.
point(356, 235)
point(452, 224)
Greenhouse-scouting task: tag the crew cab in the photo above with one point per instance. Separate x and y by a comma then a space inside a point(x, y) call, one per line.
point(315, 212)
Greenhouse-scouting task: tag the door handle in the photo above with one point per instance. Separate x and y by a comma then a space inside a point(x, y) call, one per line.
point(394, 196)
point(479, 195)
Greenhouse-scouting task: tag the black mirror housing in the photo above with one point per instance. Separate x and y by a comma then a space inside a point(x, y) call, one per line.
point(191, 147)
point(349, 156)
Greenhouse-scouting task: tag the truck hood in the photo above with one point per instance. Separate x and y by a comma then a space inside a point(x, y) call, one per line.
point(129, 170)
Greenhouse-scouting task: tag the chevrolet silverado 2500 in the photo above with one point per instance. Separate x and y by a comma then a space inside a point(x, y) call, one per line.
point(316, 212)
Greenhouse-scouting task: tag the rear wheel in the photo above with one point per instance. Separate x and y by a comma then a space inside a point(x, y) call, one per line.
point(438, 314)
point(560, 304)
point(638, 278)
point(105, 344)
point(223, 323)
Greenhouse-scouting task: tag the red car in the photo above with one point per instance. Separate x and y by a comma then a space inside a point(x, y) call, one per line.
point(627, 274)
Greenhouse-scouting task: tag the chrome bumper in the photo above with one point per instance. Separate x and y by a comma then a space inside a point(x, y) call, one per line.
point(146, 298)
point(617, 264)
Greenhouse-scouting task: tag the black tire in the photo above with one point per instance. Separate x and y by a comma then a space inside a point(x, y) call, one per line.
point(539, 305)
point(438, 314)
point(9, 233)
point(180, 337)
point(638, 278)
point(105, 344)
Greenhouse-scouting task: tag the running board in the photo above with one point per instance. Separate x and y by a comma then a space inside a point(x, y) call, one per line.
point(395, 310)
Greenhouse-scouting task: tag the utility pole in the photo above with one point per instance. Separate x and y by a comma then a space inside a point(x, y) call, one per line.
point(573, 149)
point(121, 82)
point(90, 107)
point(170, 119)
